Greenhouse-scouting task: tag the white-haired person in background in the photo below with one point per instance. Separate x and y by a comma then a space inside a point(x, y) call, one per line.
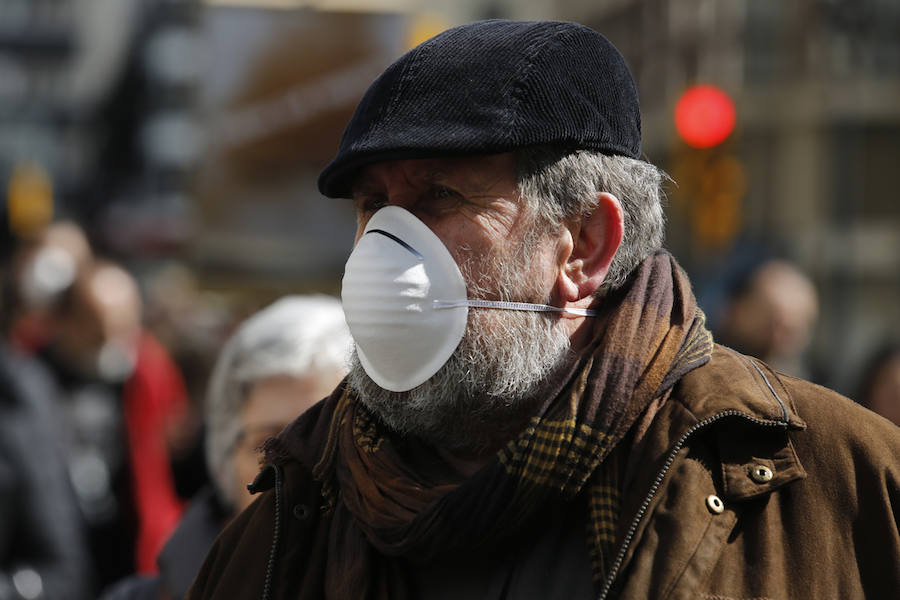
point(277, 364)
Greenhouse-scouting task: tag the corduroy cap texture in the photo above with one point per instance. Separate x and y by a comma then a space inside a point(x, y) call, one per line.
point(489, 87)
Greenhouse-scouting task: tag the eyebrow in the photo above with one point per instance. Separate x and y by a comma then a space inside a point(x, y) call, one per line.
point(429, 175)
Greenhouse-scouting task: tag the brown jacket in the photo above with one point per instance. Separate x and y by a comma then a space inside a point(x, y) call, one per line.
point(747, 486)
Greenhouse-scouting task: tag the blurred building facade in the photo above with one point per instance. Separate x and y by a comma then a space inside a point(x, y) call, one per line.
point(97, 95)
point(273, 118)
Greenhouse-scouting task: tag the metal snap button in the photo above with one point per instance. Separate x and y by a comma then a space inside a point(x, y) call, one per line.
point(301, 512)
point(761, 474)
point(715, 504)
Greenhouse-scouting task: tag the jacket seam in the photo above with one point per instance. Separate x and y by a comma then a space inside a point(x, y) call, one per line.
point(784, 410)
point(687, 561)
point(273, 551)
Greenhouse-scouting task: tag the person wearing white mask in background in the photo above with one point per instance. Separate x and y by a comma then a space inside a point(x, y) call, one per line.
point(122, 394)
point(535, 407)
point(41, 270)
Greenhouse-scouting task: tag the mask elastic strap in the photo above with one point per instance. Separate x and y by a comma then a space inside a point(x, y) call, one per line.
point(527, 306)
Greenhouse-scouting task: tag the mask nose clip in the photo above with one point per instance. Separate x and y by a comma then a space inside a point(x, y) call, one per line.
point(391, 236)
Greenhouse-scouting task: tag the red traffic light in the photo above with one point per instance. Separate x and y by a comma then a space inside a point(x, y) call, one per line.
point(704, 116)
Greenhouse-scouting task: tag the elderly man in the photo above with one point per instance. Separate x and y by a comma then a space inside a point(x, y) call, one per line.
point(535, 408)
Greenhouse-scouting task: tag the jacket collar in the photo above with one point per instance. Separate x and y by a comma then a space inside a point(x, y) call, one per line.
point(734, 382)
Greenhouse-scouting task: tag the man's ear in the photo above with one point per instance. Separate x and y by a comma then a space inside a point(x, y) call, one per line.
point(595, 240)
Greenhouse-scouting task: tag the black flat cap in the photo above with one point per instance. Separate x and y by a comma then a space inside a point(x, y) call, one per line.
point(489, 87)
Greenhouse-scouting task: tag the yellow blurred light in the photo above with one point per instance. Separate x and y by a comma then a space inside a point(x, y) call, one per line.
point(718, 206)
point(711, 185)
point(29, 199)
point(423, 27)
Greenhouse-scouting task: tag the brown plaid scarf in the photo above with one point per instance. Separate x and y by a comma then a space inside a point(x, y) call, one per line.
point(382, 507)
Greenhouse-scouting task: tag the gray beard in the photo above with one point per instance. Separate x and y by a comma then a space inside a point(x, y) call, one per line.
point(496, 378)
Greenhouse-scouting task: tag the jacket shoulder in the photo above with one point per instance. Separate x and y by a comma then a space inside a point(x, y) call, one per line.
point(851, 492)
point(806, 478)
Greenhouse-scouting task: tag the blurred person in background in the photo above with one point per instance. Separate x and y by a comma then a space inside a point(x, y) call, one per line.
point(771, 314)
point(43, 550)
point(277, 364)
point(879, 388)
point(535, 407)
point(121, 393)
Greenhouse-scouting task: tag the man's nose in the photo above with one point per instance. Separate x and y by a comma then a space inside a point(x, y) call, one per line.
point(404, 197)
point(400, 191)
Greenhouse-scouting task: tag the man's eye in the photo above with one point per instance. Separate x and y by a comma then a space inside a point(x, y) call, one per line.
point(369, 203)
point(440, 192)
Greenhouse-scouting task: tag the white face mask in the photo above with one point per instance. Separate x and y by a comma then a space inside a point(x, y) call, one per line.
point(405, 300)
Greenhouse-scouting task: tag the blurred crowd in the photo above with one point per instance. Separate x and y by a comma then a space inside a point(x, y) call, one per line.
point(130, 421)
point(109, 438)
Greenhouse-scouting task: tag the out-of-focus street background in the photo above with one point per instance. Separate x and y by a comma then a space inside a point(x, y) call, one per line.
point(181, 139)
point(185, 137)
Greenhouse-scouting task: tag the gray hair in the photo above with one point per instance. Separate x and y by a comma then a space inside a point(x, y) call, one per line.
point(562, 185)
point(295, 336)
